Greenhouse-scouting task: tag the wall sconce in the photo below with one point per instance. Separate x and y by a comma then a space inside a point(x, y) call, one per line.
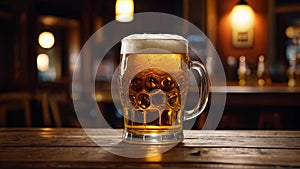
point(242, 25)
point(42, 62)
point(46, 39)
point(124, 10)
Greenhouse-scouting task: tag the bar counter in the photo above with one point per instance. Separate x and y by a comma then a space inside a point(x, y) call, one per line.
point(73, 148)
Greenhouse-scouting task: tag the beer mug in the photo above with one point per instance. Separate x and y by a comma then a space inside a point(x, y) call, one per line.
point(153, 87)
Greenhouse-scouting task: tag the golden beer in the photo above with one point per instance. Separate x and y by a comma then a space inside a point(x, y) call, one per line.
point(154, 98)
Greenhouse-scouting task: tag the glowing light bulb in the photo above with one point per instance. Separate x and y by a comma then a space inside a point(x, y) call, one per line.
point(46, 40)
point(124, 10)
point(42, 62)
point(242, 17)
point(242, 25)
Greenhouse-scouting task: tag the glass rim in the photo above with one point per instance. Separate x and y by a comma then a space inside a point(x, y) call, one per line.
point(154, 36)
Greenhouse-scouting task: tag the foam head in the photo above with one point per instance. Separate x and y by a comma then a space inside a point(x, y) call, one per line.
point(154, 43)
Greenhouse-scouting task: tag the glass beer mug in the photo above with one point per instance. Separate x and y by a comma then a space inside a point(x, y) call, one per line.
point(153, 87)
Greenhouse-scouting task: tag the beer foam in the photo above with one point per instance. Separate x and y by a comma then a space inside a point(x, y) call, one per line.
point(154, 43)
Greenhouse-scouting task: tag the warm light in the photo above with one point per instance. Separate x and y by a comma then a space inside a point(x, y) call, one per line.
point(42, 62)
point(124, 10)
point(46, 40)
point(242, 17)
point(242, 25)
point(292, 32)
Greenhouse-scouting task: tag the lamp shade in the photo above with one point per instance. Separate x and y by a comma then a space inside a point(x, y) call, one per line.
point(124, 10)
point(242, 25)
point(242, 17)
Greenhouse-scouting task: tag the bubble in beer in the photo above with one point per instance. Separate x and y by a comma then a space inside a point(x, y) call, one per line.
point(136, 84)
point(173, 99)
point(132, 99)
point(151, 83)
point(167, 84)
point(143, 100)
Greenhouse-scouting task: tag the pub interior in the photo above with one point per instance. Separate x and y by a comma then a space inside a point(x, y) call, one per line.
point(261, 63)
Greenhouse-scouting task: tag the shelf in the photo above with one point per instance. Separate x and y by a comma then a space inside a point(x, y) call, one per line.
point(256, 89)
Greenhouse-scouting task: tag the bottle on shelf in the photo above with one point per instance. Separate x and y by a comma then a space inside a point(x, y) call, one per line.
point(242, 71)
point(261, 71)
point(291, 72)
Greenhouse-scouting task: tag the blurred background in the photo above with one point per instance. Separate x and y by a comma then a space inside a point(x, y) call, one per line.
point(40, 40)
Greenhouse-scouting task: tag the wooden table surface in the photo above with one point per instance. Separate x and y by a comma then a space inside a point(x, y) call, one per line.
point(73, 148)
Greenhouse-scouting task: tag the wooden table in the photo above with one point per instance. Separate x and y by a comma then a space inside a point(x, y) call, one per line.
point(72, 148)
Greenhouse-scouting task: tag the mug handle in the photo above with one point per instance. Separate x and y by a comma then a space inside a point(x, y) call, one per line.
point(203, 91)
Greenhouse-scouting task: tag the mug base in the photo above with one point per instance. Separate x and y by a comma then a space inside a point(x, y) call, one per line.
point(169, 138)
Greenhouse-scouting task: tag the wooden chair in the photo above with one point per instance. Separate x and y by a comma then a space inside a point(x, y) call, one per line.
point(55, 99)
point(21, 101)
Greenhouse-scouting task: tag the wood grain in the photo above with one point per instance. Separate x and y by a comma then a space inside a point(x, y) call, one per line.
point(73, 148)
